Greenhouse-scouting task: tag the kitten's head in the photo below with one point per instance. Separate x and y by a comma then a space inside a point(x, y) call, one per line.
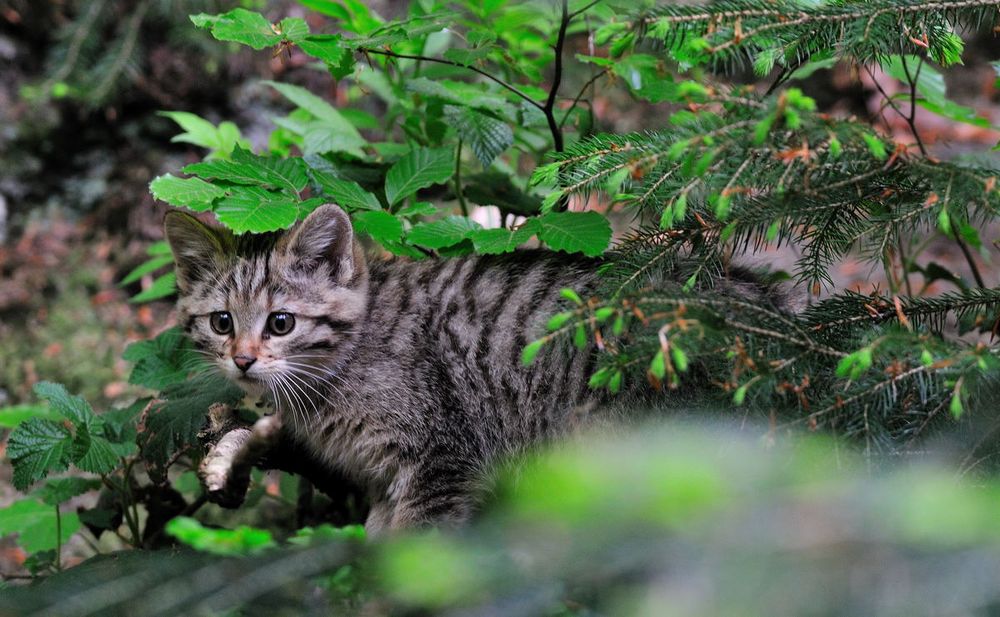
point(275, 312)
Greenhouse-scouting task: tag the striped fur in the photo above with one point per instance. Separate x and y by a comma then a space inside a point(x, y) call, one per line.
point(405, 375)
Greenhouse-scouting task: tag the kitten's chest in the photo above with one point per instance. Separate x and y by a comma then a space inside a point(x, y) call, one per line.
point(347, 439)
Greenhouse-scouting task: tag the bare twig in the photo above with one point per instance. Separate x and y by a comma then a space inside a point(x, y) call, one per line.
point(514, 89)
point(550, 102)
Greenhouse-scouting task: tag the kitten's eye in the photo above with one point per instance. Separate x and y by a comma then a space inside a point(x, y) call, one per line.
point(221, 322)
point(280, 323)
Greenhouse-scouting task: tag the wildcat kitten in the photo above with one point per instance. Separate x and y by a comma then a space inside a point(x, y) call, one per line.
point(405, 375)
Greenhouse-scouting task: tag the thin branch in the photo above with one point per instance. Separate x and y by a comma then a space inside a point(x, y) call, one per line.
point(550, 102)
point(579, 94)
point(583, 9)
point(458, 180)
point(972, 262)
point(392, 54)
point(911, 118)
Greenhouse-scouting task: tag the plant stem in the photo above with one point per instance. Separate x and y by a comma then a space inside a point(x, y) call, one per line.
point(583, 9)
point(392, 54)
point(912, 116)
point(550, 102)
point(58, 539)
point(579, 95)
point(972, 262)
point(458, 180)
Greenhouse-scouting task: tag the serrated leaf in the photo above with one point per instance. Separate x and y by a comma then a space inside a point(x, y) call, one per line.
point(332, 119)
point(418, 169)
point(347, 193)
point(57, 490)
point(293, 28)
point(487, 136)
point(164, 360)
point(240, 26)
point(461, 93)
point(253, 209)
point(420, 208)
point(101, 456)
point(575, 232)
point(35, 525)
point(38, 447)
point(321, 138)
point(191, 193)
point(288, 174)
point(174, 422)
point(495, 241)
point(443, 232)
point(73, 408)
point(379, 224)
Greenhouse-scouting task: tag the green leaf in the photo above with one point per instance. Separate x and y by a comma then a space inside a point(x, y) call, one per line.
point(420, 208)
point(174, 422)
point(487, 136)
point(443, 232)
point(495, 241)
point(875, 146)
point(101, 456)
point(955, 406)
point(164, 360)
point(462, 94)
point(57, 490)
point(575, 232)
point(350, 139)
point(35, 525)
point(286, 174)
point(191, 193)
point(658, 366)
point(13, 416)
point(600, 378)
point(615, 382)
point(530, 351)
point(379, 224)
point(240, 26)
point(163, 286)
point(145, 268)
point(558, 320)
point(220, 140)
point(38, 447)
point(71, 407)
point(243, 540)
point(254, 209)
point(347, 193)
point(679, 357)
point(419, 169)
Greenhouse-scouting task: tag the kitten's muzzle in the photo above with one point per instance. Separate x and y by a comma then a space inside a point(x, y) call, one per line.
point(243, 362)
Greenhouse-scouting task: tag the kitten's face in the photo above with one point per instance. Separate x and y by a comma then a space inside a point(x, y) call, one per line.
point(274, 314)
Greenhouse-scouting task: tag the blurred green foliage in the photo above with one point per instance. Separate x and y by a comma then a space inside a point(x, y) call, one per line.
point(664, 520)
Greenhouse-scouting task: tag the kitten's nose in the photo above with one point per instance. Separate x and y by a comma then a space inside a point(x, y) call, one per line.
point(244, 362)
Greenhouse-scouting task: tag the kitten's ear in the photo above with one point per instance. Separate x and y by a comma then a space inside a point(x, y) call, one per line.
point(197, 248)
point(325, 237)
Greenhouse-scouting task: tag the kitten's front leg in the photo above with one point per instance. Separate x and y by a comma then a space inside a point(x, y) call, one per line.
point(225, 470)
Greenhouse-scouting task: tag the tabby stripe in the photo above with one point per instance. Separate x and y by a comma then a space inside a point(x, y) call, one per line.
point(324, 345)
point(336, 325)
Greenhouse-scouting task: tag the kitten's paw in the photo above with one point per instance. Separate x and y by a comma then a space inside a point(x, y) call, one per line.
point(266, 430)
point(217, 466)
